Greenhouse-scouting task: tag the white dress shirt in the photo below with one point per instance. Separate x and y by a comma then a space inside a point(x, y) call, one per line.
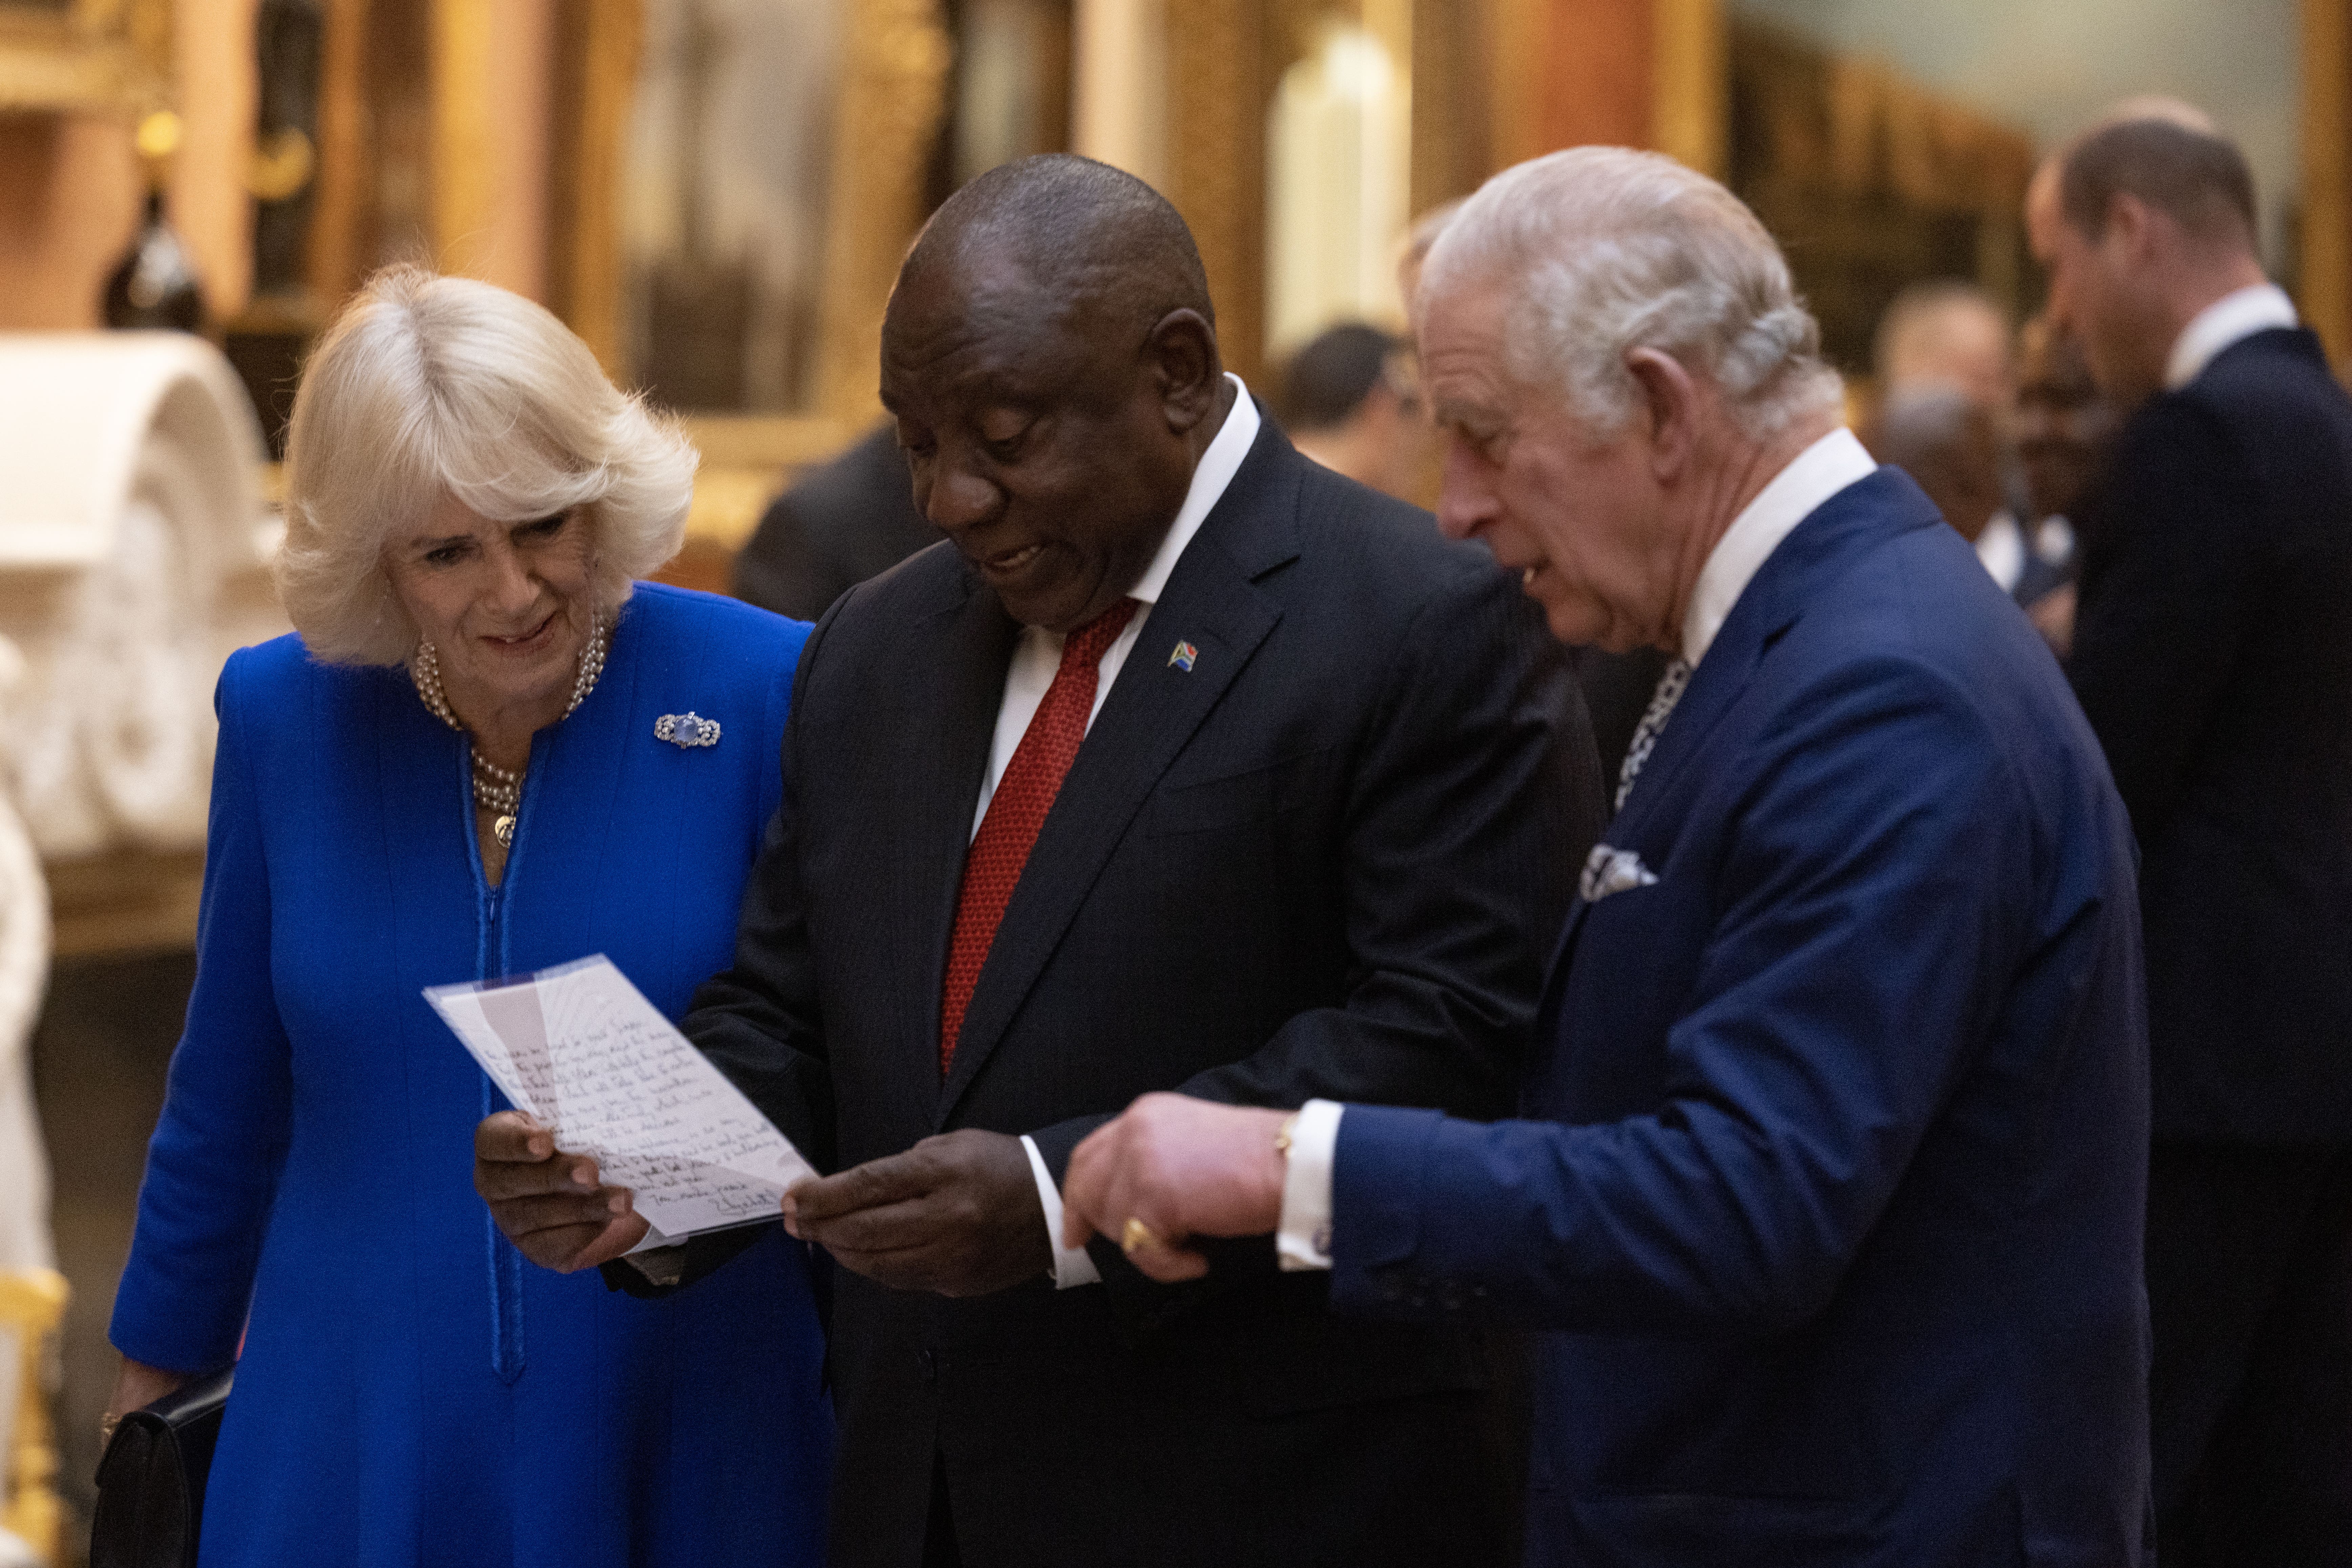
point(1037, 655)
point(2257, 307)
point(1813, 477)
point(2001, 548)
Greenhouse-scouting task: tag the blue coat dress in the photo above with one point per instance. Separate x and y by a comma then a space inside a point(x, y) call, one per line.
point(411, 1391)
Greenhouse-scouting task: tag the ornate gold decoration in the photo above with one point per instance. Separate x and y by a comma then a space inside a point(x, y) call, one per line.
point(1513, 65)
point(1690, 94)
point(334, 261)
point(1451, 135)
point(98, 55)
point(465, 170)
point(159, 135)
point(32, 1305)
point(893, 94)
point(598, 44)
point(281, 165)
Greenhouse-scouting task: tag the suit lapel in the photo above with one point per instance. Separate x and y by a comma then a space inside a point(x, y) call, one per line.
point(1819, 550)
point(1816, 550)
point(940, 768)
point(1154, 707)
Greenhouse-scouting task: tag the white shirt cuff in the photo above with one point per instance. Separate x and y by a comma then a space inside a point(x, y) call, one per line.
point(1304, 1242)
point(1071, 1264)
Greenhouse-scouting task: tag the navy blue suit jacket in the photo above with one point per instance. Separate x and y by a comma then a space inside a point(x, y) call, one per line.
point(1830, 1189)
point(2213, 654)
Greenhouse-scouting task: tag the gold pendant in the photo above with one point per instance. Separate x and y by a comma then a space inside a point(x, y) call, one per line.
point(504, 828)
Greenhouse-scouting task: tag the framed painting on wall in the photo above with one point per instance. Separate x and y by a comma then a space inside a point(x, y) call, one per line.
point(82, 55)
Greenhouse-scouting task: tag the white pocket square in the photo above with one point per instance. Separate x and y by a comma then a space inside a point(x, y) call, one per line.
point(1608, 872)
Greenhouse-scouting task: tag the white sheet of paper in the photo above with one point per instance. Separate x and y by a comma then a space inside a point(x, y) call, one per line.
point(581, 1049)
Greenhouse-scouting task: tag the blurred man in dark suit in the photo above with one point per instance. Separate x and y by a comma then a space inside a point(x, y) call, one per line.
point(840, 523)
point(1946, 332)
point(1351, 400)
point(2066, 430)
point(2213, 654)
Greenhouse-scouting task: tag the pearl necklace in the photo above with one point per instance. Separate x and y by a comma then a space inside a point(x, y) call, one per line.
point(500, 790)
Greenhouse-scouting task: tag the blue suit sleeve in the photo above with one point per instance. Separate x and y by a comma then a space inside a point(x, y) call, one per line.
point(213, 1163)
point(1874, 880)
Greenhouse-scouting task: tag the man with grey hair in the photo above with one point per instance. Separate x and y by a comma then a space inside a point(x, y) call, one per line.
point(1828, 1194)
point(1950, 445)
point(1947, 332)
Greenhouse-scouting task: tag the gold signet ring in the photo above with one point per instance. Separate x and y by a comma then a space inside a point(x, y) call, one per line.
point(1135, 1236)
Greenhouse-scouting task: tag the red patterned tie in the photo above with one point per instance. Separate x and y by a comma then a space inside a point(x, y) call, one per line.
point(1017, 810)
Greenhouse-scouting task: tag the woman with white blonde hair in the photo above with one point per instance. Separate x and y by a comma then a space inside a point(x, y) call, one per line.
point(488, 749)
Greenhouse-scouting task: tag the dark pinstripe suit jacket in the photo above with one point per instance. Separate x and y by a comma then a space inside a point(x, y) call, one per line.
point(1328, 860)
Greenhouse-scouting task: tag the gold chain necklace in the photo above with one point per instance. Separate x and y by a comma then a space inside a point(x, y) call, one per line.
point(500, 790)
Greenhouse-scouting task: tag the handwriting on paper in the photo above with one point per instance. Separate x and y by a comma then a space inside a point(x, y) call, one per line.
point(581, 1050)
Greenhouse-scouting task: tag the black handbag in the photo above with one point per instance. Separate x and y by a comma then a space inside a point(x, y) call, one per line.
point(151, 1480)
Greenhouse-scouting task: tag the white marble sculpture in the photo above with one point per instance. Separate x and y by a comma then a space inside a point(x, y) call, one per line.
point(24, 973)
point(132, 549)
point(132, 559)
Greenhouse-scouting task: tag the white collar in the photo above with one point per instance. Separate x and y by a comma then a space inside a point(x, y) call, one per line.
point(1814, 475)
point(1211, 475)
point(2001, 548)
point(2235, 316)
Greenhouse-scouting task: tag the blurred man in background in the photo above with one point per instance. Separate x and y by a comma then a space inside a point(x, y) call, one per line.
point(1952, 445)
point(2065, 434)
point(1350, 401)
point(1944, 332)
point(841, 522)
point(2066, 429)
point(2213, 655)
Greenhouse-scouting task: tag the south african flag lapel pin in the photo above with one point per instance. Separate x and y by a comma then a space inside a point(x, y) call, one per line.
point(1184, 657)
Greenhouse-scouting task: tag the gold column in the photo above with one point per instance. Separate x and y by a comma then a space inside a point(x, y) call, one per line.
point(1118, 108)
point(489, 162)
point(212, 49)
point(1691, 92)
point(1518, 33)
point(465, 174)
point(340, 199)
point(1451, 129)
point(1216, 162)
point(893, 94)
point(2325, 263)
point(597, 47)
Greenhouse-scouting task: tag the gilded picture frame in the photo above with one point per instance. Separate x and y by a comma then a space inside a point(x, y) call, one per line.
point(893, 96)
point(85, 55)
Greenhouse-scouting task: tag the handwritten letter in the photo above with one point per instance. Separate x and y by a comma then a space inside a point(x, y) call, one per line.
point(581, 1049)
